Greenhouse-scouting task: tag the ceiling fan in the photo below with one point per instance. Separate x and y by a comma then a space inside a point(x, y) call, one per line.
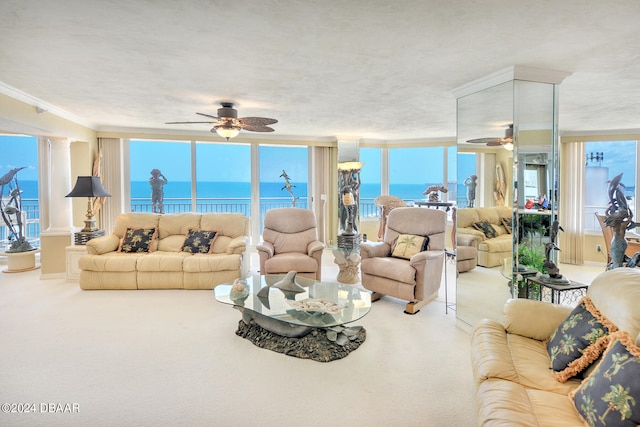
point(507, 141)
point(228, 125)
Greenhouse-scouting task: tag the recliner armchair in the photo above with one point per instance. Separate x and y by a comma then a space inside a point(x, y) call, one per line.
point(290, 242)
point(416, 279)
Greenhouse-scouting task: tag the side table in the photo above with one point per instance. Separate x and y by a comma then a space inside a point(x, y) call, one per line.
point(567, 294)
point(74, 252)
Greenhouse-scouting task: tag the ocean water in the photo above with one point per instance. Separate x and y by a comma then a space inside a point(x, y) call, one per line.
point(242, 190)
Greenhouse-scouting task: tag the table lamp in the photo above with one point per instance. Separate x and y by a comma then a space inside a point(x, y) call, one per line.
point(89, 187)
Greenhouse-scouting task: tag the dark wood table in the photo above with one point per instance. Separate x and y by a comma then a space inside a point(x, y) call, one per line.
point(559, 293)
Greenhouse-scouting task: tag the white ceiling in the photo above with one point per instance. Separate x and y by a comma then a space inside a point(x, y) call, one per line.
point(375, 69)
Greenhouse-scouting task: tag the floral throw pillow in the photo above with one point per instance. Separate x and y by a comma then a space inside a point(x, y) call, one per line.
point(407, 245)
point(199, 241)
point(486, 228)
point(137, 240)
point(610, 396)
point(579, 340)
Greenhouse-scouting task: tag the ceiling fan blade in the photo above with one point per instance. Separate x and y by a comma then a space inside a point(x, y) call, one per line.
point(184, 123)
point(496, 143)
point(256, 128)
point(484, 140)
point(257, 121)
point(208, 115)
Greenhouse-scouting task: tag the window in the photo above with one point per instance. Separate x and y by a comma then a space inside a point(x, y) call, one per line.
point(371, 184)
point(169, 165)
point(21, 152)
point(413, 170)
point(605, 160)
point(223, 178)
point(283, 177)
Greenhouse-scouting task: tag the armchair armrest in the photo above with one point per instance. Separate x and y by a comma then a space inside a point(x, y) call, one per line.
point(374, 249)
point(238, 245)
point(103, 244)
point(533, 319)
point(265, 249)
point(315, 246)
point(422, 257)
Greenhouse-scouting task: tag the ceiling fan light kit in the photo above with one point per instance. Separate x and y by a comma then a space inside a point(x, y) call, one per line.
point(228, 125)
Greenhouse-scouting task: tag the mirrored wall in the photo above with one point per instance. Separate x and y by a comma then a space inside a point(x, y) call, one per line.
point(509, 130)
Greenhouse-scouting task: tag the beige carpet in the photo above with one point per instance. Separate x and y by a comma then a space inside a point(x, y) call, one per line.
point(171, 357)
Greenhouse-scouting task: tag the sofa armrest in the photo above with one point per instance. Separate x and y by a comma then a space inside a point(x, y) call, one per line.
point(533, 319)
point(103, 244)
point(265, 249)
point(315, 246)
point(374, 249)
point(468, 240)
point(238, 245)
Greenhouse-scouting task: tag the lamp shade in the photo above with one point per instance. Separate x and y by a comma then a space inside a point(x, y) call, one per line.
point(88, 186)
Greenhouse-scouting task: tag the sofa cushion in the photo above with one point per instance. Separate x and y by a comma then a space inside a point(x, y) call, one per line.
point(204, 263)
point(179, 223)
point(407, 245)
point(507, 403)
point(498, 354)
point(162, 261)
point(486, 228)
point(502, 243)
point(579, 340)
point(138, 240)
point(283, 262)
point(611, 394)
point(135, 220)
point(112, 262)
point(199, 241)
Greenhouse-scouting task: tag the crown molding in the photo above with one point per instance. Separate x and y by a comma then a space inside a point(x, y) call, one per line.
point(41, 106)
point(513, 72)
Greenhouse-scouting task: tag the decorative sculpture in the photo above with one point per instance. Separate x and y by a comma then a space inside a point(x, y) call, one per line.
point(553, 272)
point(289, 187)
point(11, 212)
point(471, 183)
point(433, 192)
point(619, 217)
point(157, 182)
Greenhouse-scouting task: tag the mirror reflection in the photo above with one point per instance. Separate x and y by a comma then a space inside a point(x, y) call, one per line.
point(506, 150)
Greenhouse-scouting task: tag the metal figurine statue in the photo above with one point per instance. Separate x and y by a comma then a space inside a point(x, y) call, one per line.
point(11, 212)
point(289, 187)
point(553, 272)
point(619, 217)
point(471, 183)
point(157, 182)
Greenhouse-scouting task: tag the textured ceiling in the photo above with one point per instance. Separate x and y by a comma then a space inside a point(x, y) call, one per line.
point(372, 69)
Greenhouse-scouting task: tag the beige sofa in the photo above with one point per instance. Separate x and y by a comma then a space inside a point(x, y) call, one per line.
point(511, 365)
point(166, 266)
point(491, 251)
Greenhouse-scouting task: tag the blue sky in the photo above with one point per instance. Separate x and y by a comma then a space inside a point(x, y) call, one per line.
point(619, 156)
point(18, 151)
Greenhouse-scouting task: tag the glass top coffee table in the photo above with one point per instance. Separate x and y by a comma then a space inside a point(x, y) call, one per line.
point(336, 304)
point(308, 322)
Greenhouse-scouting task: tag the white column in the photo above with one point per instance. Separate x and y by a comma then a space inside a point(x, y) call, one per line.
point(60, 208)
